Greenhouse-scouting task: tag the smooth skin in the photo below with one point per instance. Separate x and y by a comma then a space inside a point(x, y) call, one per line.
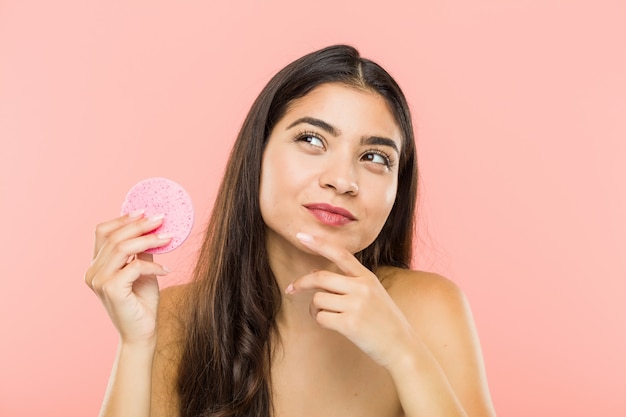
point(351, 342)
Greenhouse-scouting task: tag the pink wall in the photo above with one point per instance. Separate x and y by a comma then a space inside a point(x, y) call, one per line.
point(520, 108)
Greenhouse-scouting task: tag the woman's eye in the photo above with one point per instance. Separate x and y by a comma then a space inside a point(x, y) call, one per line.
point(312, 140)
point(377, 158)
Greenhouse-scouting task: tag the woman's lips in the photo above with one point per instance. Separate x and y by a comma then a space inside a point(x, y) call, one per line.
point(330, 215)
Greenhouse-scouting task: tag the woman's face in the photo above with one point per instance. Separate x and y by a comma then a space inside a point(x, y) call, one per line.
point(330, 168)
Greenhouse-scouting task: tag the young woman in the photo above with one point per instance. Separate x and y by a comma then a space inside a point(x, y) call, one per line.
point(302, 302)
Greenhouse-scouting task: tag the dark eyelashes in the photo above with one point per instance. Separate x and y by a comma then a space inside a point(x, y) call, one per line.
point(389, 161)
point(304, 135)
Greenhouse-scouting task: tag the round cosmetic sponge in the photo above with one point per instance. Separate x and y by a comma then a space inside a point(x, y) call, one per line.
point(163, 196)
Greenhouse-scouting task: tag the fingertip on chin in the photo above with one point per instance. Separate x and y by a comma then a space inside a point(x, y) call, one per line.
point(304, 237)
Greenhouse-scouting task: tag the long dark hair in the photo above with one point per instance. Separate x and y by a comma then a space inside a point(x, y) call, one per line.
point(233, 299)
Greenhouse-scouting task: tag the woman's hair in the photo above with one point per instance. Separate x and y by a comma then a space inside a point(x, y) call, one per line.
point(234, 298)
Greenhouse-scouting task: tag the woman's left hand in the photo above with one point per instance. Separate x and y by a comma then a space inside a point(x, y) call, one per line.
point(354, 303)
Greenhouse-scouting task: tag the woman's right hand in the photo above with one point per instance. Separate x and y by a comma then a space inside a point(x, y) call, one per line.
point(124, 277)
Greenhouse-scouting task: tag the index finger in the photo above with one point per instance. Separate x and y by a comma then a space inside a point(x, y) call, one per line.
point(341, 257)
point(103, 230)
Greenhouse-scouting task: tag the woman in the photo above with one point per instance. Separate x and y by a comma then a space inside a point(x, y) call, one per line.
point(302, 302)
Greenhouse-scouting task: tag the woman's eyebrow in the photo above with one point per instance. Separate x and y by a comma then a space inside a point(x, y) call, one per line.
point(377, 140)
point(366, 140)
point(316, 122)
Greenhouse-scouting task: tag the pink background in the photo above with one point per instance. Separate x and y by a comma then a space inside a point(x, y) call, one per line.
point(520, 108)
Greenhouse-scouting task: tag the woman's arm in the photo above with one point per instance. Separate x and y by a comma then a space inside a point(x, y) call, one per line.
point(130, 383)
point(143, 380)
point(445, 357)
point(124, 278)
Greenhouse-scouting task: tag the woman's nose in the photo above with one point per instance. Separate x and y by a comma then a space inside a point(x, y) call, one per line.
point(341, 177)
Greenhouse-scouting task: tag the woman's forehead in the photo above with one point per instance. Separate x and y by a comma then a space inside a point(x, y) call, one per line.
point(345, 107)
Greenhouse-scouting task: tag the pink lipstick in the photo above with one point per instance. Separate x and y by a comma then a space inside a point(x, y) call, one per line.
point(330, 215)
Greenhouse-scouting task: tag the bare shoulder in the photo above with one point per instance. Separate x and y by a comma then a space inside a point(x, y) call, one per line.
point(434, 305)
point(171, 301)
point(439, 312)
point(170, 334)
point(170, 319)
point(417, 292)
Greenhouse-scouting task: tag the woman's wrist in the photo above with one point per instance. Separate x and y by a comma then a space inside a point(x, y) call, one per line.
point(138, 343)
point(137, 347)
point(412, 360)
point(405, 356)
point(414, 369)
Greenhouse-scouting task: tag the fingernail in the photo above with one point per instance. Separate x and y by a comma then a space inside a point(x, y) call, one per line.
point(165, 236)
point(136, 214)
point(304, 237)
point(289, 289)
point(156, 218)
point(166, 269)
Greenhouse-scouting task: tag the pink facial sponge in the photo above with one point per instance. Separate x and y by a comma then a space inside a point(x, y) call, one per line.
point(163, 196)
